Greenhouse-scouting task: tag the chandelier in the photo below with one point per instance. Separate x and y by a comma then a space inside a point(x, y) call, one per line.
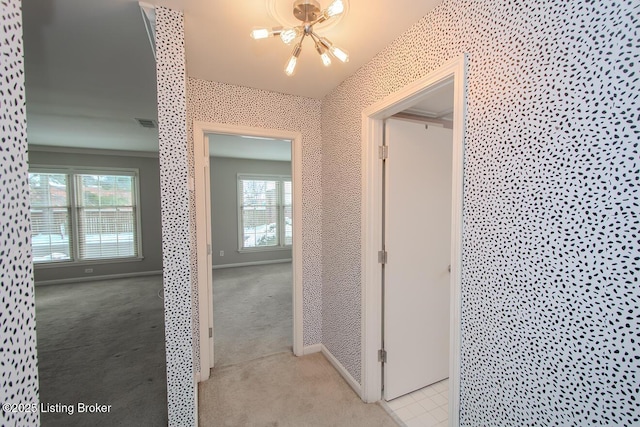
point(309, 12)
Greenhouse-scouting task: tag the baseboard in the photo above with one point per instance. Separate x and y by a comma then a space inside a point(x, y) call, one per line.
point(247, 264)
point(309, 349)
point(94, 278)
point(342, 370)
point(195, 403)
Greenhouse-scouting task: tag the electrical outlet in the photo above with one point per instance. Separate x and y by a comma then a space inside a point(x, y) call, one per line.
point(221, 253)
point(88, 270)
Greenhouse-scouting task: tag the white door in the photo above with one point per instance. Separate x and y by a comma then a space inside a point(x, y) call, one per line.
point(417, 238)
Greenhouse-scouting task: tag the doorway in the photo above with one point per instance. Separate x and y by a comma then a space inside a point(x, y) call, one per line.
point(374, 258)
point(251, 234)
point(205, 241)
point(417, 224)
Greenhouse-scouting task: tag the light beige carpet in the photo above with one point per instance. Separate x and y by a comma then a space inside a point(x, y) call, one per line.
point(285, 391)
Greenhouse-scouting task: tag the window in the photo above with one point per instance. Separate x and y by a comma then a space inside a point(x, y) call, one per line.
point(84, 215)
point(50, 217)
point(265, 211)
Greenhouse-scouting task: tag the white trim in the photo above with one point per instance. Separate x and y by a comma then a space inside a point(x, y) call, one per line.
point(96, 278)
point(371, 242)
point(195, 396)
point(85, 263)
point(310, 349)
point(93, 151)
point(203, 250)
point(342, 370)
point(457, 187)
point(203, 221)
point(371, 234)
point(262, 249)
point(248, 264)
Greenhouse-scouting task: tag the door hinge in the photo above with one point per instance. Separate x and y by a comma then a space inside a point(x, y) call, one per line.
point(383, 152)
point(210, 332)
point(382, 257)
point(382, 355)
point(208, 249)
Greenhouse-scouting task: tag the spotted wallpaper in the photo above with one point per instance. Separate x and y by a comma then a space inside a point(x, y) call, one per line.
point(237, 105)
point(551, 246)
point(176, 220)
point(18, 358)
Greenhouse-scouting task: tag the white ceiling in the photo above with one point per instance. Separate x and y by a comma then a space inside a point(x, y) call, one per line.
point(219, 47)
point(90, 70)
point(437, 104)
point(240, 147)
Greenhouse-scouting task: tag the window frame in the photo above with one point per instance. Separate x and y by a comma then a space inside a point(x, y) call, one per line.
point(281, 246)
point(72, 172)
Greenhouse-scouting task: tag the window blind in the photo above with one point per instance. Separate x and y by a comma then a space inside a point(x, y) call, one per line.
point(265, 211)
point(80, 215)
point(107, 226)
point(50, 217)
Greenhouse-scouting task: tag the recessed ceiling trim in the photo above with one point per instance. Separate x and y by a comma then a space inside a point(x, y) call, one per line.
point(149, 18)
point(430, 114)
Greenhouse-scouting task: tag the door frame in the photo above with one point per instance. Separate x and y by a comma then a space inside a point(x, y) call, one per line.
point(203, 240)
point(371, 225)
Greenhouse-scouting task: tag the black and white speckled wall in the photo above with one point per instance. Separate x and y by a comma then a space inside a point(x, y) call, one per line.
point(551, 246)
point(243, 106)
point(18, 359)
point(175, 212)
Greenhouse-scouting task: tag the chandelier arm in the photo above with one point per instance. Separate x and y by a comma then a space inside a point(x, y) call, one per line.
point(314, 36)
point(325, 14)
point(319, 46)
point(320, 20)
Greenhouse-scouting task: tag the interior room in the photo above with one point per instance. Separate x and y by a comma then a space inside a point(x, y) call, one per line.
point(252, 277)
point(516, 203)
point(94, 184)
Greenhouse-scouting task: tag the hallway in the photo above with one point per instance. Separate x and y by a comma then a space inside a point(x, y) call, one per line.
point(284, 390)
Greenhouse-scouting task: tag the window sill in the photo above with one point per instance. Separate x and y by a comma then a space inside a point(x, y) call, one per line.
point(58, 264)
point(265, 249)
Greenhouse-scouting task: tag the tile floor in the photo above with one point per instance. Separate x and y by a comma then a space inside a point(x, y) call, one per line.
point(427, 407)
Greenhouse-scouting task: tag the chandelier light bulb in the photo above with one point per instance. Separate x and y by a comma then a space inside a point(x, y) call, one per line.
point(322, 51)
point(291, 64)
point(335, 8)
point(289, 34)
point(326, 59)
point(339, 53)
point(260, 33)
